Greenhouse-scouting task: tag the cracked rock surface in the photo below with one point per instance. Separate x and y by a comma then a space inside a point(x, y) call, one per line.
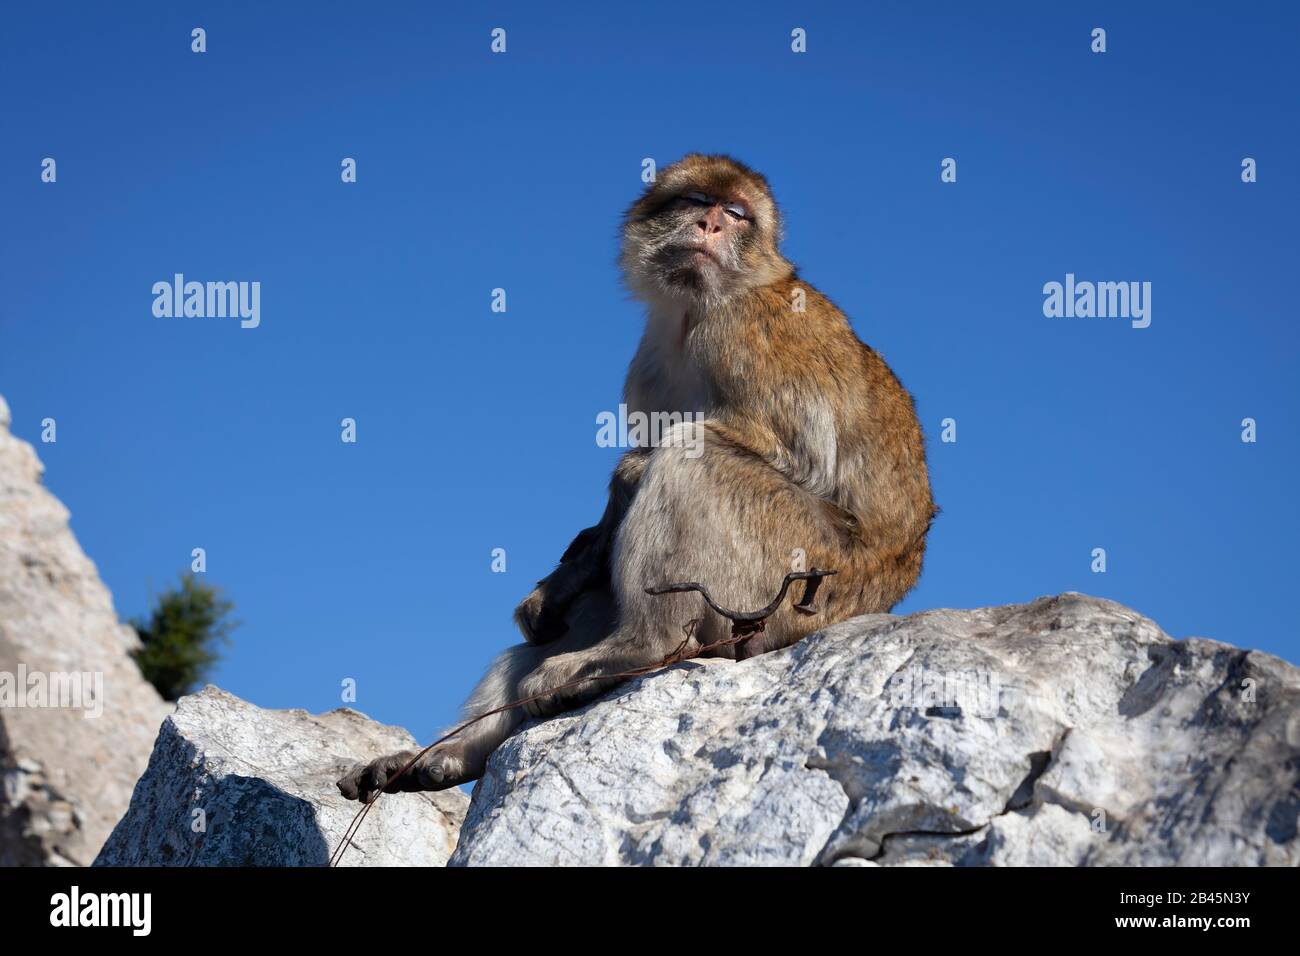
point(233, 784)
point(1067, 731)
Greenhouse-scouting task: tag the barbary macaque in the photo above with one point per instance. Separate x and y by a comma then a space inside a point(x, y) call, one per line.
point(800, 442)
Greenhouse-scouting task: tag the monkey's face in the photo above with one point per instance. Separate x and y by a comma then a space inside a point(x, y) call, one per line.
point(704, 231)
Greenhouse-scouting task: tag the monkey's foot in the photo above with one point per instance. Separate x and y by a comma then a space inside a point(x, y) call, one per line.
point(439, 769)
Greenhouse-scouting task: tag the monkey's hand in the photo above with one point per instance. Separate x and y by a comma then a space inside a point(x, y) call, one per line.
point(584, 566)
point(539, 617)
point(439, 769)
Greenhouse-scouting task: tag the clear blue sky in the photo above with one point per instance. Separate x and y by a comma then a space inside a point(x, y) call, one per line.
point(477, 430)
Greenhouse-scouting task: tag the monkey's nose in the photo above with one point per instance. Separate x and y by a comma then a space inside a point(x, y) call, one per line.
point(710, 223)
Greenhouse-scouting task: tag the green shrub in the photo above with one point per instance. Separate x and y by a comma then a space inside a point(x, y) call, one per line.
point(182, 635)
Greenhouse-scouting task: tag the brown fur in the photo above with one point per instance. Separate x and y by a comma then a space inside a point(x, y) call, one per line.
point(807, 442)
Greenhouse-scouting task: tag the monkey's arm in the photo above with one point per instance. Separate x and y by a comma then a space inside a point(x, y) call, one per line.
point(585, 563)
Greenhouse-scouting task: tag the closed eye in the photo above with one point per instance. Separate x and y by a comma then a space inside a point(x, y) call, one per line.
point(733, 209)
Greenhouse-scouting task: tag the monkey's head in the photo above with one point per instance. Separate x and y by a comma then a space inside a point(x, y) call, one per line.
point(705, 230)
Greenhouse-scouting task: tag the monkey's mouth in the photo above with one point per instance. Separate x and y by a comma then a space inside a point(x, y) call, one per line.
point(691, 257)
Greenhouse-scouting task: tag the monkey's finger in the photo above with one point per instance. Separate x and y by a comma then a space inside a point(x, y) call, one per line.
point(375, 778)
point(425, 774)
point(399, 782)
point(349, 783)
point(386, 774)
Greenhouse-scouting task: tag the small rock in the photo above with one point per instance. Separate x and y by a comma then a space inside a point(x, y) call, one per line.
point(233, 784)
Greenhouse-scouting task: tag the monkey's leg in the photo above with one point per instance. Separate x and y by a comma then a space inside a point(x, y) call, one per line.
point(463, 757)
point(585, 563)
point(724, 518)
